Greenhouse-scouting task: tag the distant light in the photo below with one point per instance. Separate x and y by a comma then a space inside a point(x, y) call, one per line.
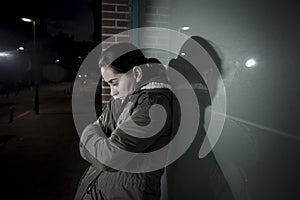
point(182, 54)
point(185, 28)
point(79, 76)
point(57, 60)
point(79, 57)
point(21, 49)
point(3, 54)
point(26, 19)
point(85, 75)
point(250, 63)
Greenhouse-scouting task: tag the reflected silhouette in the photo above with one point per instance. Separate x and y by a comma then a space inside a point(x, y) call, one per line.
point(189, 176)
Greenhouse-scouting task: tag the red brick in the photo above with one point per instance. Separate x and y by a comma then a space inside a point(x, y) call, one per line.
point(108, 22)
point(105, 91)
point(123, 8)
point(104, 84)
point(106, 98)
point(108, 8)
point(115, 15)
point(122, 23)
point(112, 30)
point(105, 37)
point(116, 1)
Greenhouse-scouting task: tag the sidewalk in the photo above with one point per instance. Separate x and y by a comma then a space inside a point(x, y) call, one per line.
point(39, 153)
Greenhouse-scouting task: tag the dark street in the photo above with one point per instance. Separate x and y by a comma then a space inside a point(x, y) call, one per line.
point(39, 153)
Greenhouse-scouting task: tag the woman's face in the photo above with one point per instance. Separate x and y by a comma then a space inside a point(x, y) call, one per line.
point(120, 84)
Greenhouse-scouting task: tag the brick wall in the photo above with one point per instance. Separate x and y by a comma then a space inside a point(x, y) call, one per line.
point(116, 18)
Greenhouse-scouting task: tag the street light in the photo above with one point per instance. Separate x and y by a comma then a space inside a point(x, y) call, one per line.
point(20, 48)
point(36, 98)
point(33, 25)
point(185, 28)
point(4, 54)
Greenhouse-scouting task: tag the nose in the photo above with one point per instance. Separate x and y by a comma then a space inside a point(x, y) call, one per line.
point(113, 92)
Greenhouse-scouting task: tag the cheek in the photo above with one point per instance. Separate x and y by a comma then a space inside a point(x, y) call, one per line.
point(130, 85)
point(122, 89)
point(123, 85)
point(125, 88)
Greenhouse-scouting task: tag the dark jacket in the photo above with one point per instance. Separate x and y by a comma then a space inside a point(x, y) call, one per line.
point(107, 182)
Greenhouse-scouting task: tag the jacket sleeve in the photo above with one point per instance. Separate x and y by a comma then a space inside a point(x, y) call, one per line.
point(107, 120)
point(145, 124)
point(103, 128)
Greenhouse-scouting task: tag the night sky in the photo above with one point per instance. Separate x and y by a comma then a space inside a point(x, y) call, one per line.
point(73, 17)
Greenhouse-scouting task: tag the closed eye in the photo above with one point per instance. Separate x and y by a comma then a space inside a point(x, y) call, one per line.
point(113, 82)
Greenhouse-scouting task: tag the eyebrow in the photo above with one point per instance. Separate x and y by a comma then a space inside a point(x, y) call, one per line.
point(111, 80)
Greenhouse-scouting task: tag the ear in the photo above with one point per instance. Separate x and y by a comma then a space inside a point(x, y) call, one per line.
point(137, 73)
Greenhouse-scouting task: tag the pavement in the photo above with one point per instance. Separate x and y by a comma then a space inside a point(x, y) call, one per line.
point(39, 155)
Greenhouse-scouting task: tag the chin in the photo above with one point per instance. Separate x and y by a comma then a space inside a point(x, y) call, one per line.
point(118, 97)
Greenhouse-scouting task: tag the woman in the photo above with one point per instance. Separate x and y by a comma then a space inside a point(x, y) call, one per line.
point(136, 84)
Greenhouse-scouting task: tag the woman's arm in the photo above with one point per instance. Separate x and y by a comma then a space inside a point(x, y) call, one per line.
point(102, 127)
point(135, 134)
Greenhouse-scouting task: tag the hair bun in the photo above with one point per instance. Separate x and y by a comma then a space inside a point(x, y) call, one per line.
point(153, 60)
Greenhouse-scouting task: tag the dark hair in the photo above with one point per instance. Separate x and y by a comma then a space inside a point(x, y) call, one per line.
point(122, 57)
